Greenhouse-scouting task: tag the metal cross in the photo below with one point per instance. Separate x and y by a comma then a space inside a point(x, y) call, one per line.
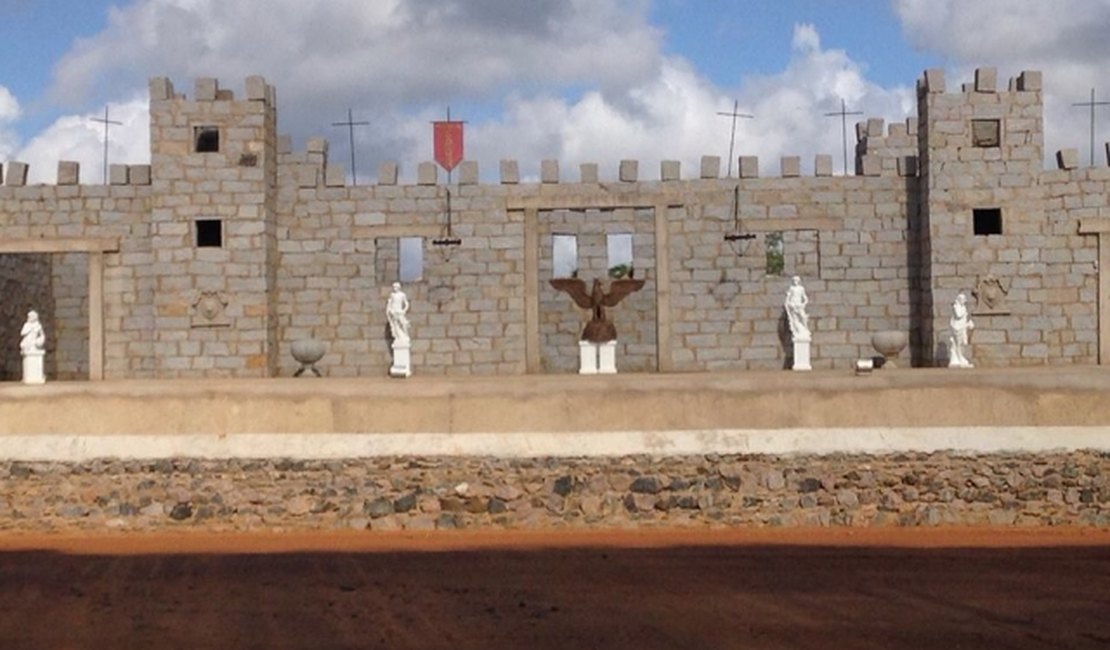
point(1092, 104)
point(732, 139)
point(351, 124)
point(844, 113)
point(106, 122)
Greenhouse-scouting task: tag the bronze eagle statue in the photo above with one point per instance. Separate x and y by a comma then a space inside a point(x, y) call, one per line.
point(600, 329)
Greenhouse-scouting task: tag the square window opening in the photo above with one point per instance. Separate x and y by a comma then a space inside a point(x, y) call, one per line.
point(564, 256)
point(987, 221)
point(776, 253)
point(986, 133)
point(210, 233)
point(411, 253)
point(206, 139)
point(618, 248)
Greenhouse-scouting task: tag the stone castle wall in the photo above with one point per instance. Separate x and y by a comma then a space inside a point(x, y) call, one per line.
point(303, 255)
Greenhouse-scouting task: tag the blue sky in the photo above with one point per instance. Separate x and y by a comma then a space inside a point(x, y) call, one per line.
point(573, 80)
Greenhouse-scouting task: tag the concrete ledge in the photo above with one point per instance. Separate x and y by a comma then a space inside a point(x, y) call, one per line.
point(888, 399)
point(580, 444)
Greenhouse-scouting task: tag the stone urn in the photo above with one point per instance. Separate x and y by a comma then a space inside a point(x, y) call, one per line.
point(307, 352)
point(890, 344)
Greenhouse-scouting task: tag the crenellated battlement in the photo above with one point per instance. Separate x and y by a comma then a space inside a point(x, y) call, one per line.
point(207, 89)
point(69, 173)
point(310, 168)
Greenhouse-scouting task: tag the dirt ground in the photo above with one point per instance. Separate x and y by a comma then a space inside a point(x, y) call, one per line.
point(800, 588)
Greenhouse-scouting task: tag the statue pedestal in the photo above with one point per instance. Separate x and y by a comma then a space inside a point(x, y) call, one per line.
point(402, 364)
point(587, 358)
point(607, 358)
point(597, 358)
point(33, 367)
point(801, 354)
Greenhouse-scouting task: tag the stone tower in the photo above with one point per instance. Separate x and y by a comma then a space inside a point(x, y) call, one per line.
point(982, 214)
point(213, 230)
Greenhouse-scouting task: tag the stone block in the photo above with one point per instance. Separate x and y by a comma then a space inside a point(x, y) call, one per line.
point(911, 126)
point(934, 80)
point(710, 167)
point(549, 171)
point(749, 167)
point(1029, 81)
point(335, 175)
point(117, 174)
point(870, 165)
point(161, 88)
point(791, 166)
point(317, 144)
point(468, 172)
point(256, 88)
point(307, 175)
point(387, 173)
point(986, 80)
point(205, 89)
point(875, 127)
point(284, 144)
point(907, 165)
point(823, 165)
point(139, 174)
point(17, 174)
point(510, 172)
point(69, 172)
point(1067, 159)
point(587, 173)
point(670, 170)
point(629, 171)
point(427, 173)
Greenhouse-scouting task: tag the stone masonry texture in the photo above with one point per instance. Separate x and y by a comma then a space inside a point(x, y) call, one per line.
point(290, 251)
point(425, 493)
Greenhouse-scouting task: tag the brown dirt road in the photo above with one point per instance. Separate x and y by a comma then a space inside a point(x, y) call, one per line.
point(800, 588)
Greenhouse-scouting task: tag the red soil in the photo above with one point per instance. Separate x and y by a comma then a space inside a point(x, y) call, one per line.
point(795, 588)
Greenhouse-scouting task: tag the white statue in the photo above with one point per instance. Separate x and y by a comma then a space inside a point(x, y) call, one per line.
point(960, 324)
point(34, 338)
point(796, 301)
point(32, 346)
point(396, 310)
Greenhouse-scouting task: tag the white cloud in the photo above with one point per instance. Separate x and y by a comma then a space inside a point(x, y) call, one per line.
point(575, 80)
point(9, 112)
point(80, 138)
point(1066, 39)
point(674, 116)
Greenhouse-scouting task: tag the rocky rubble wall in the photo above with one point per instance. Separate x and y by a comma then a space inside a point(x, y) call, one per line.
point(426, 493)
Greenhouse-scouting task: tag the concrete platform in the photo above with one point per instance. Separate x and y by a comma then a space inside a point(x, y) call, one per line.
point(1027, 409)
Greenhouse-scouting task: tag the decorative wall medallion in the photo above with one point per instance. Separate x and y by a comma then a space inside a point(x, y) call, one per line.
point(990, 296)
point(210, 309)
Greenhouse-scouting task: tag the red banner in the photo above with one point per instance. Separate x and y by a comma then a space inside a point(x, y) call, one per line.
point(448, 143)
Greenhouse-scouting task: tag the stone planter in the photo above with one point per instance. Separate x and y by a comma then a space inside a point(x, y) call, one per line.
point(889, 343)
point(307, 352)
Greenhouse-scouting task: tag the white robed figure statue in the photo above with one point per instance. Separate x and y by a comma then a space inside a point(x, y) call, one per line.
point(795, 304)
point(960, 325)
point(32, 345)
point(396, 312)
